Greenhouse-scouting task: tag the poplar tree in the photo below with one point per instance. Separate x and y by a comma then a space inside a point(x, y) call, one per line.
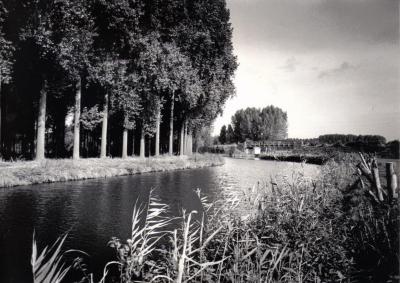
point(125, 99)
point(152, 78)
point(76, 32)
point(38, 35)
point(205, 36)
point(118, 24)
point(175, 58)
point(178, 81)
point(110, 72)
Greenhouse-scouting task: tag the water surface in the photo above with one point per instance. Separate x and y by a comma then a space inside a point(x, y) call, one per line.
point(93, 211)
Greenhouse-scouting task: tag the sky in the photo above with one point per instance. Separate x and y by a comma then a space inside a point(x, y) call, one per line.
point(333, 66)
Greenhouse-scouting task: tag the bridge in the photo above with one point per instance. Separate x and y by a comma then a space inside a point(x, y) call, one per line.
point(257, 147)
point(272, 145)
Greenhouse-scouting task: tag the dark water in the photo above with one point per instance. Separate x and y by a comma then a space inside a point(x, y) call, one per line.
point(93, 211)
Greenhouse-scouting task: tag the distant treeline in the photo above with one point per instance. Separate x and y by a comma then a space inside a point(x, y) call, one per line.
point(337, 142)
point(346, 139)
point(269, 123)
point(365, 143)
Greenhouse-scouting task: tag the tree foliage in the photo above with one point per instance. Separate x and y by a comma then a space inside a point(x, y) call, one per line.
point(142, 56)
point(345, 139)
point(367, 143)
point(75, 30)
point(230, 135)
point(269, 123)
point(222, 135)
point(6, 49)
point(125, 95)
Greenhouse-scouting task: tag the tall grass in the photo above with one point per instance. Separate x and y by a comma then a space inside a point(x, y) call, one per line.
point(148, 224)
point(61, 170)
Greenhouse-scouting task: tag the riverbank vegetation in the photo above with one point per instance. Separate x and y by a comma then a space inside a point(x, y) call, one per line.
point(61, 170)
point(308, 151)
point(318, 155)
point(90, 78)
point(337, 228)
point(266, 130)
point(323, 153)
point(290, 156)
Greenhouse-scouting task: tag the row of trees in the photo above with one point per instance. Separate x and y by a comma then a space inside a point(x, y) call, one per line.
point(348, 139)
point(112, 69)
point(269, 123)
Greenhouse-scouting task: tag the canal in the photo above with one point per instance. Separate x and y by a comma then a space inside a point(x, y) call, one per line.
point(93, 211)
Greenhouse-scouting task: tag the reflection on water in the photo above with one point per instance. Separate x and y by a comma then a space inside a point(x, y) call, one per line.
point(93, 211)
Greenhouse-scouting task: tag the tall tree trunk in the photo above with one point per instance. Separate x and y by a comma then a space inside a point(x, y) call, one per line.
point(189, 144)
point(125, 143)
point(185, 140)
point(103, 150)
point(77, 117)
point(149, 147)
point(171, 125)
point(188, 151)
point(41, 123)
point(158, 122)
point(133, 142)
point(186, 148)
point(182, 141)
point(142, 145)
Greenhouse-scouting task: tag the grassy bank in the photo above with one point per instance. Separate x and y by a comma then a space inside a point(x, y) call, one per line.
point(48, 171)
point(310, 158)
point(323, 230)
point(311, 155)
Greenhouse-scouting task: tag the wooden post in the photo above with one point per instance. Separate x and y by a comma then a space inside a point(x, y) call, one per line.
point(377, 181)
point(391, 180)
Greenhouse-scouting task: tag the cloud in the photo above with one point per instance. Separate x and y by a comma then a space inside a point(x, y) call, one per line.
point(342, 68)
point(291, 64)
point(305, 26)
point(323, 61)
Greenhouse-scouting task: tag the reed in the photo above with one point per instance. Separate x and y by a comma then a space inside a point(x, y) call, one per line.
point(133, 254)
point(47, 267)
